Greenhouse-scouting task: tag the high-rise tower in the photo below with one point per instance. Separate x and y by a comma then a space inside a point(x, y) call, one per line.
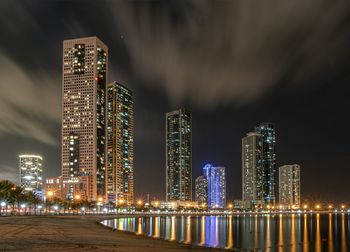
point(179, 155)
point(289, 186)
point(30, 173)
point(120, 144)
point(268, 161)
point(252, 174)
point(216, 178)
point(84, 79)
point(201, 190)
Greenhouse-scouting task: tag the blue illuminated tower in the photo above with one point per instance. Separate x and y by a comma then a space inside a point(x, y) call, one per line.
point(216, 185)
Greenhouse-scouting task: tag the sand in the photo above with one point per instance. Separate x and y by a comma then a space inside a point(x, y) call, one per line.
point(76, 233)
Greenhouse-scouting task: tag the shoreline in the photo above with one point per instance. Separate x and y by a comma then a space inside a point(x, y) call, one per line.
point(79, 233)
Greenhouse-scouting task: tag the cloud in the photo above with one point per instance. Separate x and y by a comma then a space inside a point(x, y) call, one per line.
point(9, 173)
point(29, 105)
point(223, 52)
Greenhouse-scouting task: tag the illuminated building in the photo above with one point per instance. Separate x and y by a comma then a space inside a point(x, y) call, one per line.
point(216, 186)
point(30, 173)
point(56, 187)
point(84, 80)
point(179, 155)
point(268, 162)
point(120, 144)
point(201, 189)
point(289, 186)
point(252, 177)
point(174, 204)
point(53, 187)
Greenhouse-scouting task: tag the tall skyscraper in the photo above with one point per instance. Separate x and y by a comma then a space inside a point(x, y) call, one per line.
point(216, 178)
point(179, 155)
point(201, 189)
point(30, 173)
point(268, 161)
point(252, 176)
point(289, 186)
point(84, 79)
point(120, 144)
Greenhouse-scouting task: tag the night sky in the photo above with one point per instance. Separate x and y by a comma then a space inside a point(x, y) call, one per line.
point(234, 64)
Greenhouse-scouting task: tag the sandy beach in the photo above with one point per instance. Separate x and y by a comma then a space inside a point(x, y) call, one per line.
point(76, 233)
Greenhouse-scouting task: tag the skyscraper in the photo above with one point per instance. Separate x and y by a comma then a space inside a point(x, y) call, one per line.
point(216, 178)
point(30, 172)
point(289, 186)
point(268, 161)
point(179, 155)
point(120, 144)
point(201, 189)
point(84, 79)
point(252, 177)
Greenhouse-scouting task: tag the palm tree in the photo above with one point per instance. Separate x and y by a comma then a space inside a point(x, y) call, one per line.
point(5, 191)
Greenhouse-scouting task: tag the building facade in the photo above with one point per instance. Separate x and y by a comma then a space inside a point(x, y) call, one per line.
point(216, 178)
point(252, 176)
point(268, 162)
point(30, 173)
point(289, 186)
point(120, 144)
point(201, 190)
point(179, 155)
point(84, 80)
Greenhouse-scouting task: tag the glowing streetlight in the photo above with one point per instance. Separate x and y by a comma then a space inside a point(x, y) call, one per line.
point(121, 201)
point(23, 206)
point(139, 202)
point(156, 203)
point(330, 206)
point(77, 197)
point(49, 194)
point(100, 199)
point(3, 204)
point(305, 206)
point(342, 206)
point(318, 207)
point(230, 206)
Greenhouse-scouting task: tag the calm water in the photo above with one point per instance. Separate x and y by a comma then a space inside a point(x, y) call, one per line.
point(295, 232)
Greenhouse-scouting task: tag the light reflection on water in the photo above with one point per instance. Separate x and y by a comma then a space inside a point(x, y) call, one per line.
point(295, 232)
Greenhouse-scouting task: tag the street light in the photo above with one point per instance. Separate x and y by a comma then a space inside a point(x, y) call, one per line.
point(77, 197)
point(305, 206)
point(230, 206)
point(318, 207)
point(139, 202)
point(49, 194)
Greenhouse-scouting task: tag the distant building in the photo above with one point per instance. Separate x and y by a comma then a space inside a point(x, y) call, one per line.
point(179, 155)
point(268, 161)
point(84, 80)
point(53, 187)
point(252, 173)
point(174, 204)
point(289, 186)
point(120, 144)
point(201, 189)
point(75, 190)
point(216, 178)
point(30, 173)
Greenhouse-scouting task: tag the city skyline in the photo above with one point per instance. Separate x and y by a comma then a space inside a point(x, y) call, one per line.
point(302, 88)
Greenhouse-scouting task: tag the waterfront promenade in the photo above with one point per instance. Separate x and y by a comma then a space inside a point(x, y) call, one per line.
point(76, 233)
